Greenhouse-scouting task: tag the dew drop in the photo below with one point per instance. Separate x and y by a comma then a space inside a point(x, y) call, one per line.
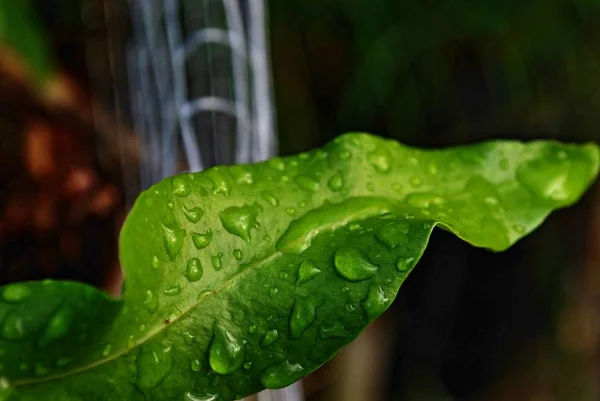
point(239, 220)
point(172, 290)
point(226, 353)
point(425, 200)
point(426, 226)
point(307, 272)
point(270, 337)
point(180, 186)
point(173, 240)
point(345, 155)
point(107, 350)
point(307, 183)
point(62, 362)
point(248, 365)
point(376, 301)
point(195, 365)
point(404, 264)
point(194, 214)
point(380, 160)
point(202, 240)
point(188, 338)
point(194, 397)
point(281, 375)
point(13, 327)
point(415, 182)
point(58, 326)
point(303, 315)
point(241, 175)
point(217, 261)
point(153, 363)
point(269, 198)
point(432, 169)
point(237, 254)
point(491, 200)
point(282, 275)
point(41, 370)
point(193, 271)
point(392, 234)
point(16, 293)
point(353, 264)
point(151, 301)
point(252, 329)
point(273, 292)
point(276, 164)
point(396, 187)
point(155, 262)
point(336, 182)
point(335, 330)
point(291, 211)
point(519, 228)
point(131, 342)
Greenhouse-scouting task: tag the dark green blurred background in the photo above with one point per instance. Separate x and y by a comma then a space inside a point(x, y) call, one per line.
point(468, 324)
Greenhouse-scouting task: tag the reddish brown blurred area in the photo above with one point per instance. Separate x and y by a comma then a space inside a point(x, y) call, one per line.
point(59, 204)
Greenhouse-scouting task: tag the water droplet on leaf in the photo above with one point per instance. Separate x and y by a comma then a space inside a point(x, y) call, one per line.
point(153, 364)
point(404, 264)
point(281, 375)
point(226, 353)
point(41, 370)
point(172, 290)
point(180, 186)
point(217, 261)
point(415, 182)
point(353, 264)
point(173, 240)
point(307, 183)
point(307, 271)
point(58, 326)
point(269, 198)
point(270, 337)
point(155, 262)
point(13, 326)
point(196, 365)
point(194, 214)
point(248, 365)
point(151, 301)
point(392, 234)
point(239, 220)
point(16, 293)
point(380, 160)
point(237, 254)
point(336, 182)
point(335, 330)
point(107, 350)
point(303, 315)
point(376, 301)
point(193, 271)
point(273, 292)
point(202, 240)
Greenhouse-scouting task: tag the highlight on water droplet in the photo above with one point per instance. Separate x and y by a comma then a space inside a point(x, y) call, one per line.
point(307, 183)
point(195, 365)
point(337, 329)
point(193, 271)
point(281, 375)
point(376, 301)
point(380, 159)
point(226, 353)
point(58, 326)
point(404, 264)
point(240, 220)
point(107, 350)
point(270, 337)
point(16, 293)
point(194, 397)
point(352, 264)
point(336, 182)
point(237, 254)
point(155, 262)
point(307, 272)
point(173, 240)
point(393, 234)
point(13, 326)
point(273, 292)
point(172, 290)
point(153, 363)
point(151, 301)
point(194, 214)
point(248, 365)
point(302, 316)
point(217, 261)
point(269, 198)
point(202, 240)
point(519, 228)
point(180, 186)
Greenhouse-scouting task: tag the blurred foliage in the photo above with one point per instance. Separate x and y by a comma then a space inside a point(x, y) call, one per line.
point(21, 31)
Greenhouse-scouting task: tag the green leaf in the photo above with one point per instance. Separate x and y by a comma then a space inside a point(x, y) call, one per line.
point(245, 277)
